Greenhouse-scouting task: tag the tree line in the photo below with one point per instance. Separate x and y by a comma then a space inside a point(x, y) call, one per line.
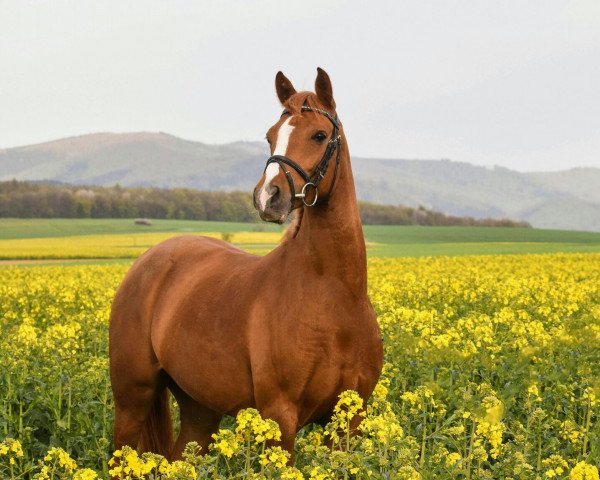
point(49, 200)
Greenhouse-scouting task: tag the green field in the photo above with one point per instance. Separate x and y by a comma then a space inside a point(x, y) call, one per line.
point(121, 238)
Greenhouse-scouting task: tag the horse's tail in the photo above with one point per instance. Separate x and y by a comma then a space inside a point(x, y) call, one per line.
point(157, 433)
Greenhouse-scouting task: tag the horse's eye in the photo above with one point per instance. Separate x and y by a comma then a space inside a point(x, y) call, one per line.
point(319, 136)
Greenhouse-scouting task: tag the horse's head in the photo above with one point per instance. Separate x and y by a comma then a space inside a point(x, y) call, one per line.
point(304, 142)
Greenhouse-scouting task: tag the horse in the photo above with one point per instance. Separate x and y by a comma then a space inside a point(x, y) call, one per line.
point(225, 330)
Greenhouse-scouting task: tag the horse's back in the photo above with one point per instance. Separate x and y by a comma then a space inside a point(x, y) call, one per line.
point(170, 267)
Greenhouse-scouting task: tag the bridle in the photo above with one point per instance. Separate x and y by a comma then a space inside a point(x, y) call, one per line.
point(320, 170)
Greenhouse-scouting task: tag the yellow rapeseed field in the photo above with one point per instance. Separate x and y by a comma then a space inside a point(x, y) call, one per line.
point(119, 245)
point(491, 373)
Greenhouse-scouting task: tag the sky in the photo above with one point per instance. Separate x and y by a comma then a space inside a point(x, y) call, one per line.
point(511, 83)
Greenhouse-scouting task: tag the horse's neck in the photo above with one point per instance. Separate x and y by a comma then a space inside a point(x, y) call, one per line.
point(329, 238)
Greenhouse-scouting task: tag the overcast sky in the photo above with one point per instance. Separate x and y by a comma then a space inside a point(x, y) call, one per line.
point(510, 83)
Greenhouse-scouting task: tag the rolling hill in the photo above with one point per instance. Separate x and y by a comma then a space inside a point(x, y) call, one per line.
point(565, 200)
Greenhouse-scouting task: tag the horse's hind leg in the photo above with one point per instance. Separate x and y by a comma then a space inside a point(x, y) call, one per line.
point(131, 412)
point(198, 423)
point(133, 404)
point(137, 387)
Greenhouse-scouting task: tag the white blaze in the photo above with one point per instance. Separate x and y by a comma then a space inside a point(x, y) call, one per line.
point(270, 174)
point(283, 137)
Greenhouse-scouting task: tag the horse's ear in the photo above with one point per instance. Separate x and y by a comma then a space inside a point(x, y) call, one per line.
point(284, 87)
point(324, 89)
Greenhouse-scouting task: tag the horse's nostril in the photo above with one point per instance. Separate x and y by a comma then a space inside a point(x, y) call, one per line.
point(276, 194)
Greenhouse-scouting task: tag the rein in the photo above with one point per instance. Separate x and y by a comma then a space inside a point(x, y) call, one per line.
point(319, 171)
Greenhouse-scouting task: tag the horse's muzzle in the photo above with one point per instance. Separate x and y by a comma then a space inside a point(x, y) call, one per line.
point(272, 203)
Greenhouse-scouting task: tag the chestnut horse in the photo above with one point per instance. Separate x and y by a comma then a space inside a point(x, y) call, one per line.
point(225, 330)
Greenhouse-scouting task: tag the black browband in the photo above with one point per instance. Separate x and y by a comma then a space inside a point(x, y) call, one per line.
point(320, 169)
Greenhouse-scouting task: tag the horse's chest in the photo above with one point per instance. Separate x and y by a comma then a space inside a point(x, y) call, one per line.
point(347, 361)
point(328, 352)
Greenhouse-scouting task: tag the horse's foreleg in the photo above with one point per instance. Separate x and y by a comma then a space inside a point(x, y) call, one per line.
point(198, 423)
point(286, 415)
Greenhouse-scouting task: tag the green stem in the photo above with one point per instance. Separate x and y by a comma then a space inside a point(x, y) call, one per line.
point(385, 455)
point(465, 449)
point(262, 468)
point(8, 396)
point(424, 437)
point(104, 410)
point(348, 435)
point(21, 421)
point(470, 450)
point(215, 470)
point(526, 436)
point(539, 451)
point(247, 458)
point(59, 411)
point(69, 403)
point(588, 421)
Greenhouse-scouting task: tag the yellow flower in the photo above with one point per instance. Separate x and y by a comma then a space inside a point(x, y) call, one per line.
point(410, 397)
point(290, 473)
point(381, 389)
point(275, 456)
point(128, 462)
point(584, 471)
point(348, 405)
point(556, 466)
point(178, 469)
point(252, 427)
point(225, 443)
point(85, 474)
point(452, 459)
point(320, 473)
point(12, 448)
point(62, 458)
point(533, 390)
point(315, 438)
point(385, 427)
point(589, 396)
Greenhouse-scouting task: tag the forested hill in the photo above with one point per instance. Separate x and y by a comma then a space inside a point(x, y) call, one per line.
point(34, 199)
point(568, 199)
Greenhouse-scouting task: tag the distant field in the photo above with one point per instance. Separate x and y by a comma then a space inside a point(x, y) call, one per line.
point(417, 241)
point(64, 227)
point(121, 238)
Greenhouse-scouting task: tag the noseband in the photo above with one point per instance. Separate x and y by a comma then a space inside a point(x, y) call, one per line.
point(320, 170)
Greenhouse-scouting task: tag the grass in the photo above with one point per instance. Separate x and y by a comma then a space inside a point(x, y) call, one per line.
point(417, 241)
point(121, 238)
point(412, 234)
